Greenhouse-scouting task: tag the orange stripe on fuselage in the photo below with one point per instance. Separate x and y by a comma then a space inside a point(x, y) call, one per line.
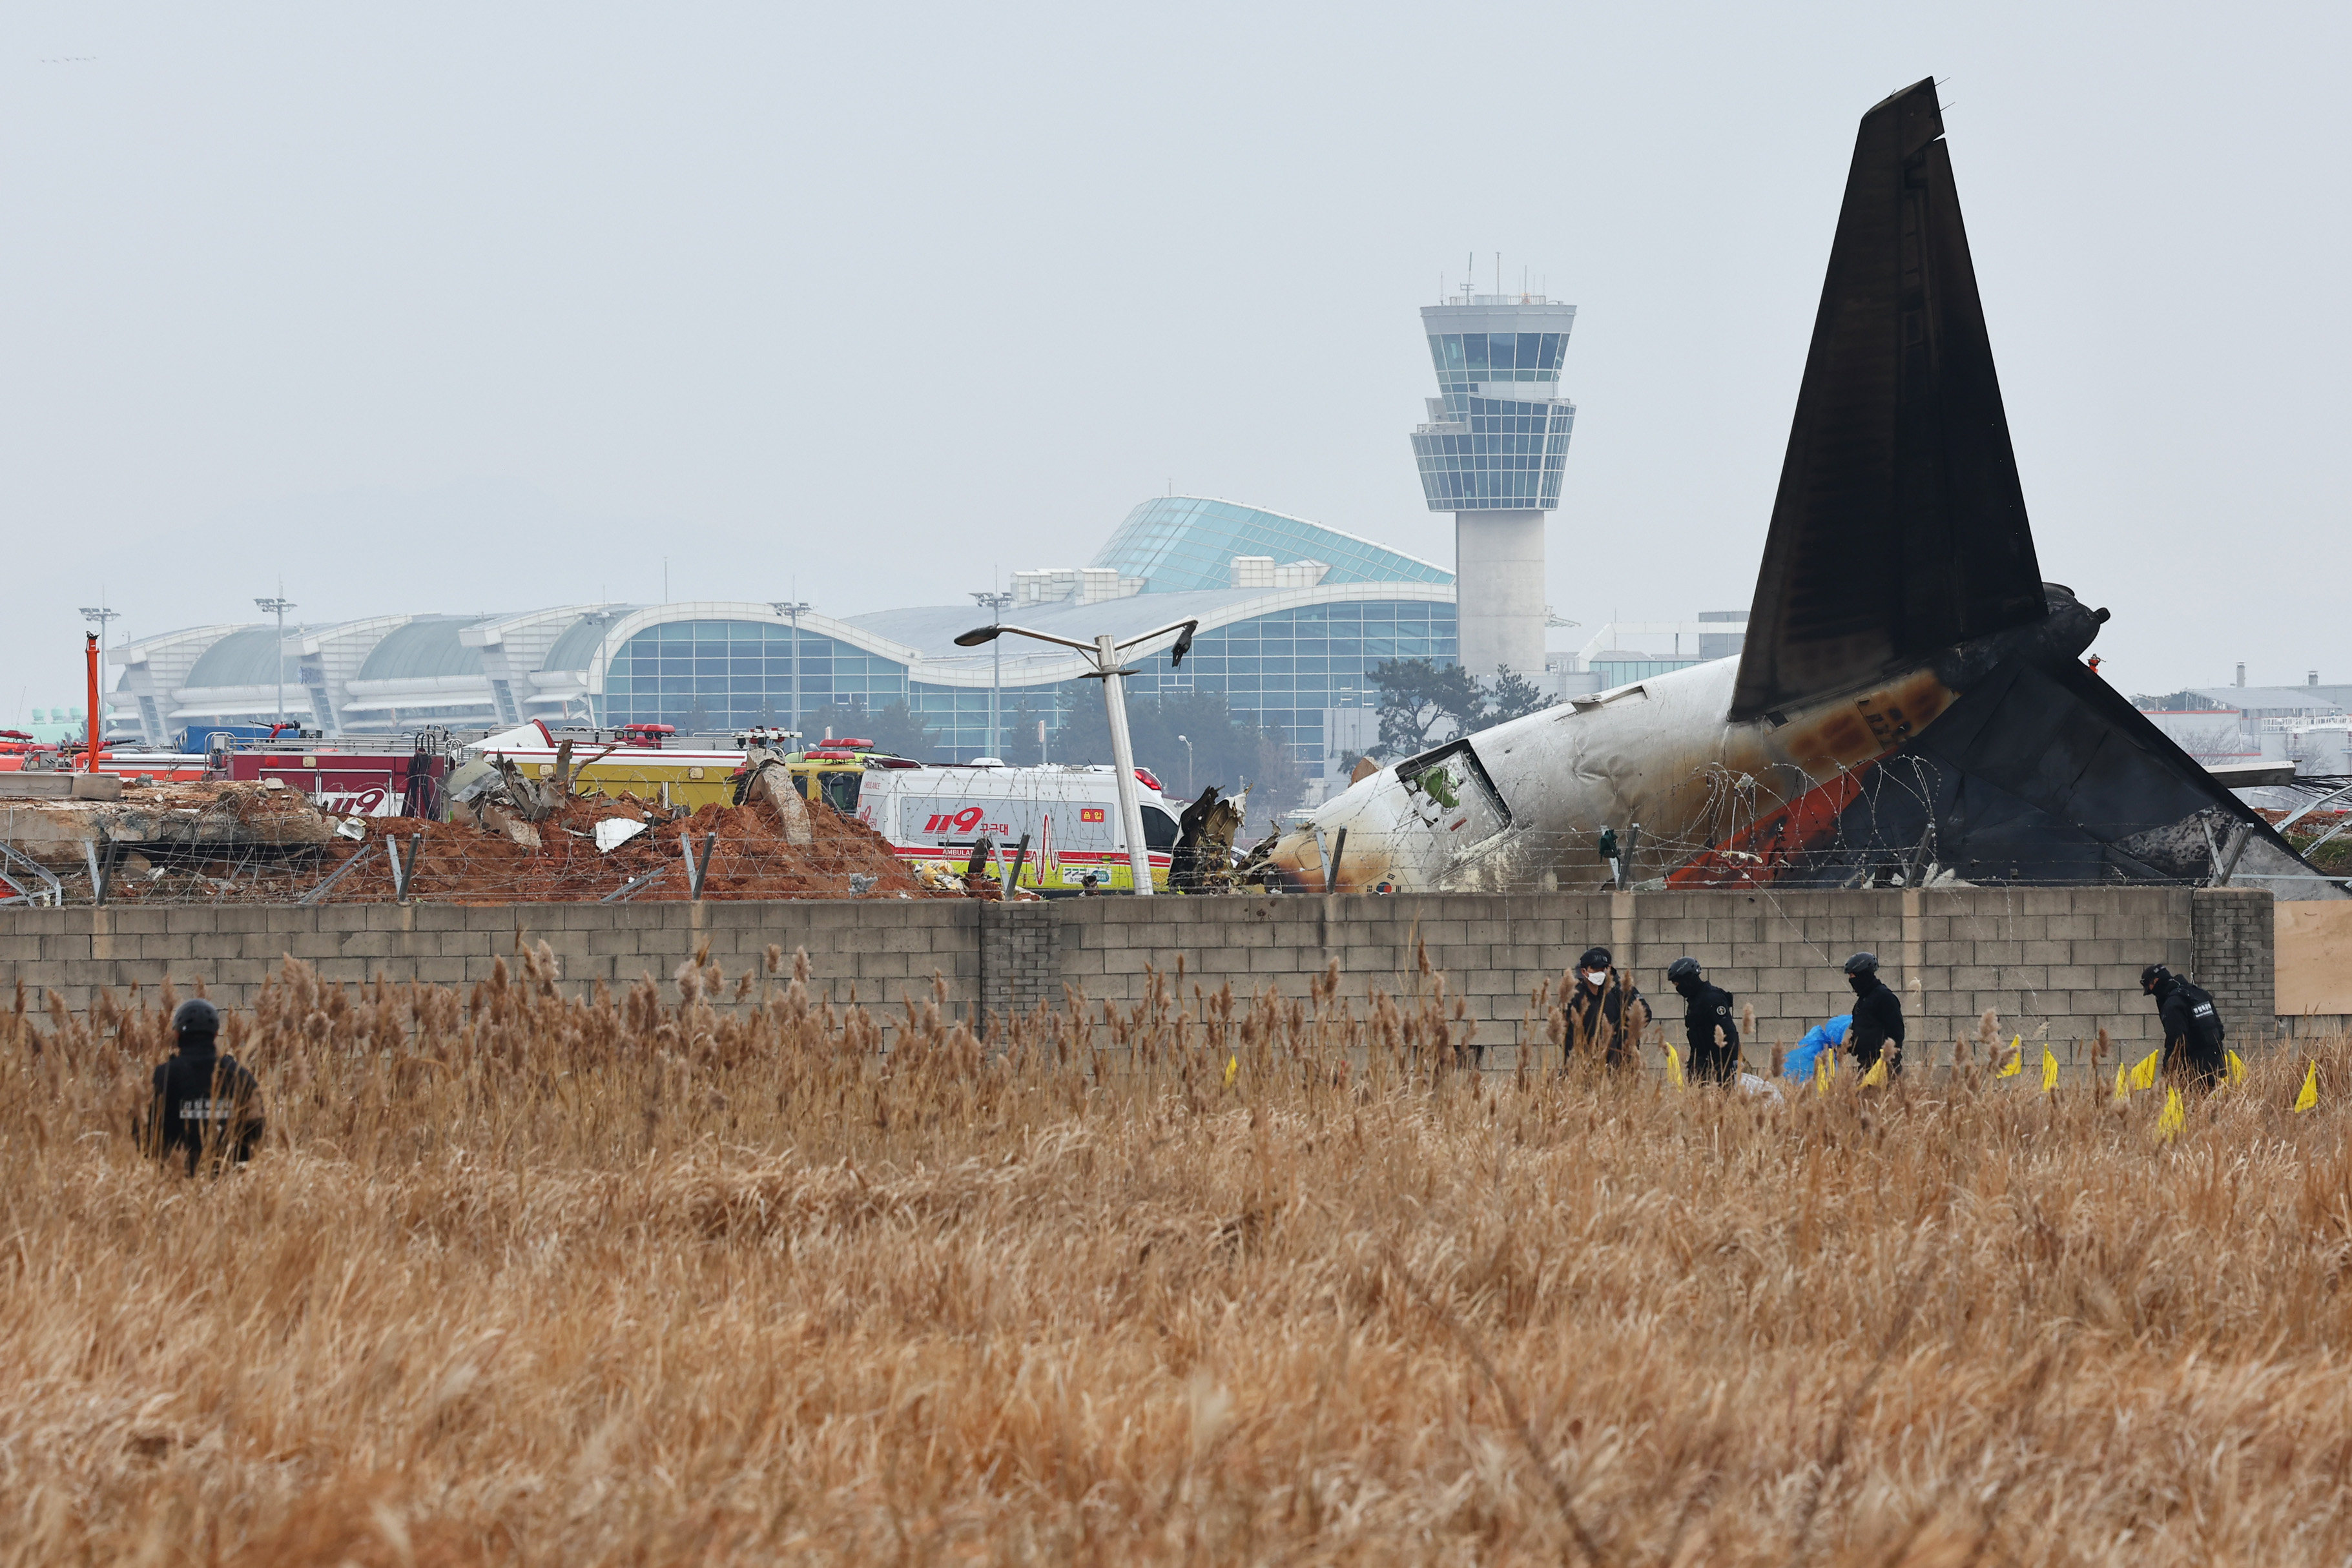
point(1772, 843)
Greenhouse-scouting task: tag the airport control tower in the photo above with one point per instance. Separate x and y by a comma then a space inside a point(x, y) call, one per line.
point(1492, 455)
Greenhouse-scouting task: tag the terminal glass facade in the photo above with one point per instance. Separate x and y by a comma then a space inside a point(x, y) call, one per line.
point(1281, 670)
point(1181, 544)
point(1278, 671)
point(715, 675)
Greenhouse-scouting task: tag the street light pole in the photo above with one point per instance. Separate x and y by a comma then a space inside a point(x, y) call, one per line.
point(1187, 766)
point(793, 607)
point(280, 605)
point(1104, 653)
point(994, 604)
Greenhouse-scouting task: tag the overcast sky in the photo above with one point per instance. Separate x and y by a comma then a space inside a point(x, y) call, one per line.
point(486, 307)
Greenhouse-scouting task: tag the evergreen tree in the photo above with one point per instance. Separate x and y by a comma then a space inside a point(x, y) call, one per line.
point(1420, 698)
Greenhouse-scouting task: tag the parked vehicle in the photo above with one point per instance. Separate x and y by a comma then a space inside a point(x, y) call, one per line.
point(351, 776)
point(638, 759)
point(937, 814)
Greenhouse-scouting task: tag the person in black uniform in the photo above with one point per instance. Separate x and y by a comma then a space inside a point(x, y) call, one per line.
point(2192, 1026)
point(205, 1103)
point(1878, 1016)
point(1707, 1010)
point(1605, 1012)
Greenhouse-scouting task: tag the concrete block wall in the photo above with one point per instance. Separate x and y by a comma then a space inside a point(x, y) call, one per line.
point(876, 951)
point(2066, 958)
point(2234, 956)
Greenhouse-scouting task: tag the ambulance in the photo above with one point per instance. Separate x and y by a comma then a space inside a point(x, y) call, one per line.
point(935, 814)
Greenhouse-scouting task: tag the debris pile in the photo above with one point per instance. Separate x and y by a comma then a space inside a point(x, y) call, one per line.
point(591, 847)
point(517, 840)
point(183, 819)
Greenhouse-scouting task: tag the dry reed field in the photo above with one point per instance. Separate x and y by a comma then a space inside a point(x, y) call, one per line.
point(524, 1277)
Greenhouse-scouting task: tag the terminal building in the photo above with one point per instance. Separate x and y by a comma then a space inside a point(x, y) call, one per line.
point(1294, 615)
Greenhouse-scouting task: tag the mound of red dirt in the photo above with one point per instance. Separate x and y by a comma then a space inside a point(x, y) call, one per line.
point(749, 857)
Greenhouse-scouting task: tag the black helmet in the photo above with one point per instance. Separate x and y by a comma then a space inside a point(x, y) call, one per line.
point(1863, 964)
point(1682, 969)
point(196, 1016)
point(1595, 958)
point(2154, 975)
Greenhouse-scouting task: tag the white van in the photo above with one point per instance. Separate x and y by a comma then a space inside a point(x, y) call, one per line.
point(1071, 815)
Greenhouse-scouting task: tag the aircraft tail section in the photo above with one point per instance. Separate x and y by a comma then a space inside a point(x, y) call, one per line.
point(1899, 528)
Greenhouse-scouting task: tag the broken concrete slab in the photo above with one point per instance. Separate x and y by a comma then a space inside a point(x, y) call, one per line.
point(167, 817)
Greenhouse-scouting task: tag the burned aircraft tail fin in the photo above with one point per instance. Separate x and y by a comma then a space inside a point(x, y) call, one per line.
point(1900, 527)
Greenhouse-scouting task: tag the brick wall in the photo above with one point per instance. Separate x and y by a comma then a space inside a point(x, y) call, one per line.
point(2233, 956)
point(2065, 958)
point(871, 950)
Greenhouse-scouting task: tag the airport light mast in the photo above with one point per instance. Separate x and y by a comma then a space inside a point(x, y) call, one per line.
point(793, 608)
point(995, 604)
point(279, 607)
point(1104, 654)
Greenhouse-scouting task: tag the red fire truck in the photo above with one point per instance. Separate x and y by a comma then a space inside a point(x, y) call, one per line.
point(349, 776)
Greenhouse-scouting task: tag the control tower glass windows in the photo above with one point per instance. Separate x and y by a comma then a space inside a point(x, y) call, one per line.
point(1464, 358)
point(1495, 455)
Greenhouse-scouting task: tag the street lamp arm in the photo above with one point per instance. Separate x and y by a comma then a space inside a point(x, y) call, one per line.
point(979, 635)
point(1183, 642)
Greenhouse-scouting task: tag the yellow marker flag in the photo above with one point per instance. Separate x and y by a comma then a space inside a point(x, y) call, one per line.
point(2123, 1092)
point(2143, 1072)
point(2237, 1067)
point(1674, 1066)
point(1876, 1075)
point(2015, 1062)
point(1233, 1066)
point(2308, 1098)
point(2049, 1070)
point(1824, 1070)
point(2173, 1118)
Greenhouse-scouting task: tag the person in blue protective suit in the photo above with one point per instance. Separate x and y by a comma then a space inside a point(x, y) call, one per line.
point(1802, 1062)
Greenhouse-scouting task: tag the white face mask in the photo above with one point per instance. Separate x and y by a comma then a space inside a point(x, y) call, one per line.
point(1596, 976)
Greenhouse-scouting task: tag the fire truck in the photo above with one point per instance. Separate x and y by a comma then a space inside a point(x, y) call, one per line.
point(635, 759)
point(352, 775)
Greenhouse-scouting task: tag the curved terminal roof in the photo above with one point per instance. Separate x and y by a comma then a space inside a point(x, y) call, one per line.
point(1187, 544)
point(243, 659)
point(426, 647)
point(577, 644)
point(923, 640)
point(933, 629)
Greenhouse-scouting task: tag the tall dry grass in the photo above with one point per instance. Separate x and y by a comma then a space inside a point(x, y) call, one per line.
point(524, 1279)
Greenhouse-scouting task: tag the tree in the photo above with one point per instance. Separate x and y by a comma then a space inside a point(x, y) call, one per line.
point(1021, 733)
point(1224, 750)
point(1419, 697)
point(897, 729)
point(1512, 696)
